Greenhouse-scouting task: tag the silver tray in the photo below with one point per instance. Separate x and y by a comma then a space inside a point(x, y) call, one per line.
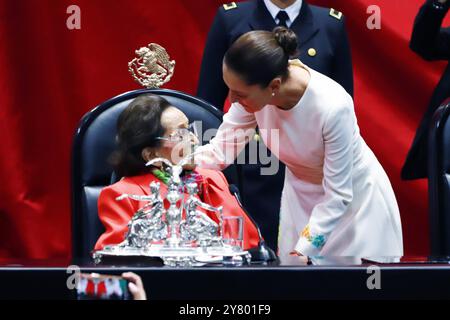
point(178, 256)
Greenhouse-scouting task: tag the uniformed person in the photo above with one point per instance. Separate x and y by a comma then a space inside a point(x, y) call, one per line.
point(431, 42)
point(323, 46)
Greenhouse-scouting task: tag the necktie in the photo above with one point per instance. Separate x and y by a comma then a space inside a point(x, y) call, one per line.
point(282, 16)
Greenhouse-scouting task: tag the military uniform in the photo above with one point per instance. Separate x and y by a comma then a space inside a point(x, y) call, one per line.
point(431, 42)
point(323, 46)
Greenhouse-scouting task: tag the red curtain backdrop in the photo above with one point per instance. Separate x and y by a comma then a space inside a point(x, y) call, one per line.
point(50, 76)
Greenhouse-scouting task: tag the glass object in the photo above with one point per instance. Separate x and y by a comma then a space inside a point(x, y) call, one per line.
point(182, 134)
point(233, 232)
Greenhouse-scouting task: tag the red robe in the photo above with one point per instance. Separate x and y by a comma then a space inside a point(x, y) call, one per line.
point(115, 215)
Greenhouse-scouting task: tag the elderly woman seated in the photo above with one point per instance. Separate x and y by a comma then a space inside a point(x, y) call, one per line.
point(151, 128)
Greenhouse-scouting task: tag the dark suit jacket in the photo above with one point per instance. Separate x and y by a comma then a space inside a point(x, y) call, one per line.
point(431, 42)
point(316, 28)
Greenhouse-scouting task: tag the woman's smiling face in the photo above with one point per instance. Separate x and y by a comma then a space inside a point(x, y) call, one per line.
point(252, 97)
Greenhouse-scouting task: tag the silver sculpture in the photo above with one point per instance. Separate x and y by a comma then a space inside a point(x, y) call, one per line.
point(154, 231)
point(198, 226)
point(147, 222)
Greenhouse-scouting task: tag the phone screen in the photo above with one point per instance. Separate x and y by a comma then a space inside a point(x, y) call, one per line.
point(102, 287)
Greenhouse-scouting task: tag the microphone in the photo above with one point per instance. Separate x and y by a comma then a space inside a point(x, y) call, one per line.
point(262, 253)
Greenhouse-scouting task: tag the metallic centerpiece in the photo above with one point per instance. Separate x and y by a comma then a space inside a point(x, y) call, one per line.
point(179, 240)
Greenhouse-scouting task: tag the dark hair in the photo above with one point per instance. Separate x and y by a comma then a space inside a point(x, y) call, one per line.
point(138, 126)
point(260, 56)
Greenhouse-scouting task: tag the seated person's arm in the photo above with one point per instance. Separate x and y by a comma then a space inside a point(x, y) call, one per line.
point(114, 215)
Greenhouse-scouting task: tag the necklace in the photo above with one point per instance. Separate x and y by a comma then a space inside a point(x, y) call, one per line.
point(188, 177)
point(162, 175)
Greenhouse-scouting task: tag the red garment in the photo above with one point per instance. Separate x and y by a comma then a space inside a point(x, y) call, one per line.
point(90, 288)
point(101, 289)
point(115, 215)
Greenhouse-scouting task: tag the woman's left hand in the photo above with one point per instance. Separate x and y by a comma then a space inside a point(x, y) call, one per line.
point(303, 258)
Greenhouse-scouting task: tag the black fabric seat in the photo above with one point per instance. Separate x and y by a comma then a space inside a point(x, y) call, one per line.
point(439, 181)
point(94, 142)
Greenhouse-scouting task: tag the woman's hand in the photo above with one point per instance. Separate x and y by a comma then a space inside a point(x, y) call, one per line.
point(303, 259)
point(135, 285)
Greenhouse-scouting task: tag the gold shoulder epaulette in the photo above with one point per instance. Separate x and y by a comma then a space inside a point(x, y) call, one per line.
point(229, 6)
point(335, 14)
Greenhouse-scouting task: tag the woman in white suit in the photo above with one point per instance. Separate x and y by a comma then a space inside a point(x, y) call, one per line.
point(337, 200)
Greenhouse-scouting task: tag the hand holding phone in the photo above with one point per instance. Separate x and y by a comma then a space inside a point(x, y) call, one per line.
point(135, 285)
point(102, 287)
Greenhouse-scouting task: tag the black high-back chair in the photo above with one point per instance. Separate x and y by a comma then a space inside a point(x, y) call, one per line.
point(439, 181)
point(93, 144)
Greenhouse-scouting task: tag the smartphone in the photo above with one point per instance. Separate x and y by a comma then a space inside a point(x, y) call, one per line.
point(102, 287)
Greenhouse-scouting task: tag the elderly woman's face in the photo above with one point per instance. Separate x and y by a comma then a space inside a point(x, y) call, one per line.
point(174, 121)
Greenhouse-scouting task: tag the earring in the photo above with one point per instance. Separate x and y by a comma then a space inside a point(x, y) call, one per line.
point(273, 94)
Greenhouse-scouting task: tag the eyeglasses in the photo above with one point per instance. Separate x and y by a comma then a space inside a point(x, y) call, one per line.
point(181, 134)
